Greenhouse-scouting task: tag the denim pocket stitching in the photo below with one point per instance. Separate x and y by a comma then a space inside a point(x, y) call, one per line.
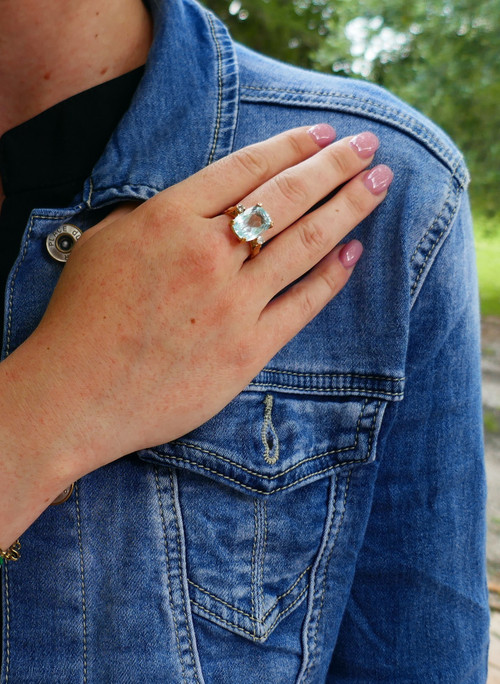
point(243, 612)
point(348, 390)
point(173, 459)
point(333, 375)
point(264, 636)
point(351, 447)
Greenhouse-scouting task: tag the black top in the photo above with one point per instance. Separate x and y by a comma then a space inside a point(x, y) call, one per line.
point(44, 161)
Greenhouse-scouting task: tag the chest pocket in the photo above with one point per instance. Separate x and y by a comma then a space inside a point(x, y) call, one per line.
point(253, 486)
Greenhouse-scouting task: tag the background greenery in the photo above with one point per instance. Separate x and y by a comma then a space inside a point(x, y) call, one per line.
point(441, 56)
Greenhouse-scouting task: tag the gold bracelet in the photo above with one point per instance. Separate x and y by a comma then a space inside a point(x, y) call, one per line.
point(13, 553)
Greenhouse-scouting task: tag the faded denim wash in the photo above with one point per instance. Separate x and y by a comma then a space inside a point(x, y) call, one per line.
point(328, 524)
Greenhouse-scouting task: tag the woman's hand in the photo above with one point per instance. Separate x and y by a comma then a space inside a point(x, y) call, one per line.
point(162, 316)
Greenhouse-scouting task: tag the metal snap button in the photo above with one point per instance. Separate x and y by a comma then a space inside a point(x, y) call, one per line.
point(62, 240)
point(64, 496)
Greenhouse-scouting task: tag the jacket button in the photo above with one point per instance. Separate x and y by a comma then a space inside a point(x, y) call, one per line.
point(62, 240)
point(64, 496)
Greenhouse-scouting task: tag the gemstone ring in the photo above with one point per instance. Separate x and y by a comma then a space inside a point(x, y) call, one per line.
point(249, 224)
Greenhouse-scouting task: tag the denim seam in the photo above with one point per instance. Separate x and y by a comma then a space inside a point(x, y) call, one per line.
point(11, 289)
point(179, 552)
point(400, 117)
point(279, 489)
point(351, 447)
point(120, 188)
point(82, 579)
point(258, 560)
point(7, 624)
point(437, 241)
point(248, 615)
point(333, 375)
point(220, 87)
point(14, 277)
point(348, 390)
point(434, 223)
point(252, 572)
point(325, 572)
point(167, 558)
point(246, 631)
point(312, 581)
point(263, 556)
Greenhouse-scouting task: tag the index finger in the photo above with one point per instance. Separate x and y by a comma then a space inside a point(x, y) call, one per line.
point(227, 180)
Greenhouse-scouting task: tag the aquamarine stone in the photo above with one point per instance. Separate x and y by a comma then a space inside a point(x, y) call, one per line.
point(251, 223)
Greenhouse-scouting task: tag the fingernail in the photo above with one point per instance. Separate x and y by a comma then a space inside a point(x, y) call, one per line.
point(323, 134)
point(349, 254)
point(378, 179)
point(365, 144)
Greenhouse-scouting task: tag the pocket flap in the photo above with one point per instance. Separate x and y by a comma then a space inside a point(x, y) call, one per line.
point(266, 441)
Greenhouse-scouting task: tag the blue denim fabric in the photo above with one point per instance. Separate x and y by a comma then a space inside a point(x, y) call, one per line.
point(328, 524)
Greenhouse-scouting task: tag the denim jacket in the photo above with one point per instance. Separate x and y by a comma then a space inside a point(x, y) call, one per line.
point(328, 524)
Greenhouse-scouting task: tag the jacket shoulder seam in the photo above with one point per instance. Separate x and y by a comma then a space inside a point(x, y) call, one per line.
point(431, 241)
point(370, 108)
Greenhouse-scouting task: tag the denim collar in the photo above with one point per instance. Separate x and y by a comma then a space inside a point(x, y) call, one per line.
point(183, 114)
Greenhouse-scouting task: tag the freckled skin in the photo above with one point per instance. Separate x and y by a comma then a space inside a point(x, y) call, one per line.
point(54, 49)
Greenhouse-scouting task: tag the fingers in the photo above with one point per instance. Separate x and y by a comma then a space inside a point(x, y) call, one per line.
point(296, 250)
point(286, 315)
point(290, 194)
point(224, 183)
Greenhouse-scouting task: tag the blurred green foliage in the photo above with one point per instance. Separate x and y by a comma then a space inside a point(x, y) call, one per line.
point(487, 243)
point(441, 56)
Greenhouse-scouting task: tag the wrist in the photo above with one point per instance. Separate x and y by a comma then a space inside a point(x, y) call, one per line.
point(42, 442)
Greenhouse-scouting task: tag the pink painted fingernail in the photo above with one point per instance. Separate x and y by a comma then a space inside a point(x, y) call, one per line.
point(365, 144)
point(378, 179)
point(323, 134)
point(349, 254)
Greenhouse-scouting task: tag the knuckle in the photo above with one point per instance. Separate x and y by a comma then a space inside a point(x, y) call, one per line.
point(200, 262)
point(332, 282)
point(295, 142)
point(308, 305)
point(314, 237)
point(357, 203)
point(243, 355)
point(253, 162)
point(291, 187)
point(341, 163)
